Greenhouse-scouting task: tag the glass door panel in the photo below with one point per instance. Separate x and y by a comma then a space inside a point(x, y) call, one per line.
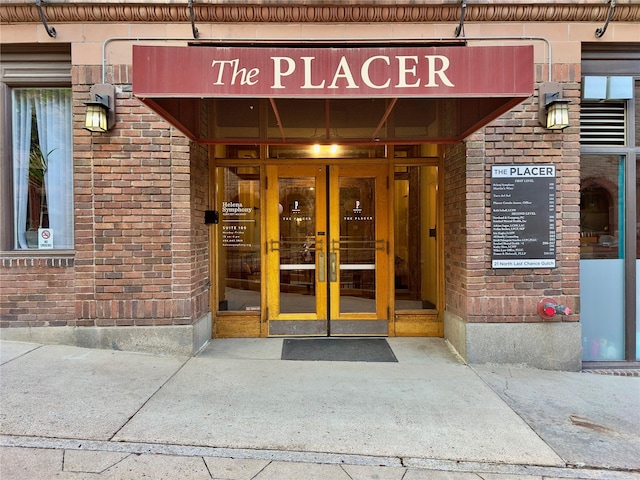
point(297, 202)
point(358, 251)
point(357, 245)
point(326, 241)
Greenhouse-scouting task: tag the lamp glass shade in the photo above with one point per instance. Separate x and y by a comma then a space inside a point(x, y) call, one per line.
point(558, 115)
point(96, 117)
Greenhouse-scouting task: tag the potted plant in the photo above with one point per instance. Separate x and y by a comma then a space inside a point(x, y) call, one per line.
point(37, 199)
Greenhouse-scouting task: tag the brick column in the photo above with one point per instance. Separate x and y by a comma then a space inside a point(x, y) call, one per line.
point(141, 192)
point(476, 293)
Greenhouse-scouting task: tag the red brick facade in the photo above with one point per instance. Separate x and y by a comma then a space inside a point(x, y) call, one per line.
point(474, 291)
point(37, 292)
point(141, 246)
point(142, 251)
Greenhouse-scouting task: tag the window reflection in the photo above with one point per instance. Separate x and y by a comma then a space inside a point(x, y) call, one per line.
point(297, 198)
point(601, 206)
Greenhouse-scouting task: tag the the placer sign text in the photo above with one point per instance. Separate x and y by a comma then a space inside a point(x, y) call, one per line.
point(327, 72)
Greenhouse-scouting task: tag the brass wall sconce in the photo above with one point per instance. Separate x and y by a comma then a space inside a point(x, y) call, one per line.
point(101, 111)
point(553, 109)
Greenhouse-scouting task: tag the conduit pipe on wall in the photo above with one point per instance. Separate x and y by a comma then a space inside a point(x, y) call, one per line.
point(324, 41)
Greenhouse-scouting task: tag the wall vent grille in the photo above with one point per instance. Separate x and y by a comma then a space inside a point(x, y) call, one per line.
point(602, 123)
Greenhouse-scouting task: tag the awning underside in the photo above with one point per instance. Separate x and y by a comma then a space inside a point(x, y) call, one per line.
point(345, 120)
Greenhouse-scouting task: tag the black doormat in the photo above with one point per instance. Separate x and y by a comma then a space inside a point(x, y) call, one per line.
point(338, 350)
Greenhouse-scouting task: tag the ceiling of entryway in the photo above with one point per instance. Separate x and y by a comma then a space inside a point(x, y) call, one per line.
point(346, 121)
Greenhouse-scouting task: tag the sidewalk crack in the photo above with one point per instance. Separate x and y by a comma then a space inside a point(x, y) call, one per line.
point(126, 422)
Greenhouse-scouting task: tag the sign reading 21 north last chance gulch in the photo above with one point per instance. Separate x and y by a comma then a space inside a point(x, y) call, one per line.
point(523, 216)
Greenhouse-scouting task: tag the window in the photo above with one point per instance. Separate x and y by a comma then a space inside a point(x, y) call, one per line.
point(416, 190)
point(42, 167)
point(239, 241)
point(602, 256)
point(608, 202)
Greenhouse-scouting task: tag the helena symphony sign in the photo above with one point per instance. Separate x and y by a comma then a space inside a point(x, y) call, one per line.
point(306, 72)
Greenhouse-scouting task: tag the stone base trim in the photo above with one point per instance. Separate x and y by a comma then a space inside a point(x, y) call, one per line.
point(177, 340)
point(544, 345)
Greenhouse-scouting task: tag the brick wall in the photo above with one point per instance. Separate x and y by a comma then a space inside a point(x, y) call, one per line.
point(199, 184)
point(475, 291)
point(455, 215)
point(141, 255)
point(36, 291)
point(141, 248)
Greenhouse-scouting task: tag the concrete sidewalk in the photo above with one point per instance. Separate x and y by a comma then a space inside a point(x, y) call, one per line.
point(237, 411)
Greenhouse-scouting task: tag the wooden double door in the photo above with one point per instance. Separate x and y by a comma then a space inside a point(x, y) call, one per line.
point(327, 250)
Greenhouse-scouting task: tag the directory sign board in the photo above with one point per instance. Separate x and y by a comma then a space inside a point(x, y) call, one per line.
point(523, 216)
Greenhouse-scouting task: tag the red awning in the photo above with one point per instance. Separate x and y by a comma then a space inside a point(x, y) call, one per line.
point(395, 94)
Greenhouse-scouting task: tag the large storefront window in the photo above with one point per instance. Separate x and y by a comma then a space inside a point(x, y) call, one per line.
point(42, 141)
point(602, 267)
point(239, 272)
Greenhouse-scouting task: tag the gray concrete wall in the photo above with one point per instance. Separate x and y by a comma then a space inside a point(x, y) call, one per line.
point(545, 345)
point(177, 340)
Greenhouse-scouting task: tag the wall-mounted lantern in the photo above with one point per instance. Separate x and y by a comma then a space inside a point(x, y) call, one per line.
point(553, 109)
point(101, 112)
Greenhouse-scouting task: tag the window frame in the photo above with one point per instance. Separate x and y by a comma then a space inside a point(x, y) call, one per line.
point(26, 66)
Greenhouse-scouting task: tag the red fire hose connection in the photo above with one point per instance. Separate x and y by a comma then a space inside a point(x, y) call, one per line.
point(548, 308)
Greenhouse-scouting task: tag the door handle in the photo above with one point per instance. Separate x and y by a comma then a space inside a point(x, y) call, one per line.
point(322, 275)
point(333, 266)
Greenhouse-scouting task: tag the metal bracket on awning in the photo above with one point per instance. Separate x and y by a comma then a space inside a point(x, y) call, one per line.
point(460, 28)
point(194, 29)
point(600, 31)
point(50, 30)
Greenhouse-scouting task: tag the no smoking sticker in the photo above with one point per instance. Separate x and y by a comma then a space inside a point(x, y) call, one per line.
point(45, 238)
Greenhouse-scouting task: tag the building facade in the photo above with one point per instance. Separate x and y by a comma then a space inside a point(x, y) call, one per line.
point(317, 168)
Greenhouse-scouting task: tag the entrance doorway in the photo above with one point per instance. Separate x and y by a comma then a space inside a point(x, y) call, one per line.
point(307, 246)
point(327, 250)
